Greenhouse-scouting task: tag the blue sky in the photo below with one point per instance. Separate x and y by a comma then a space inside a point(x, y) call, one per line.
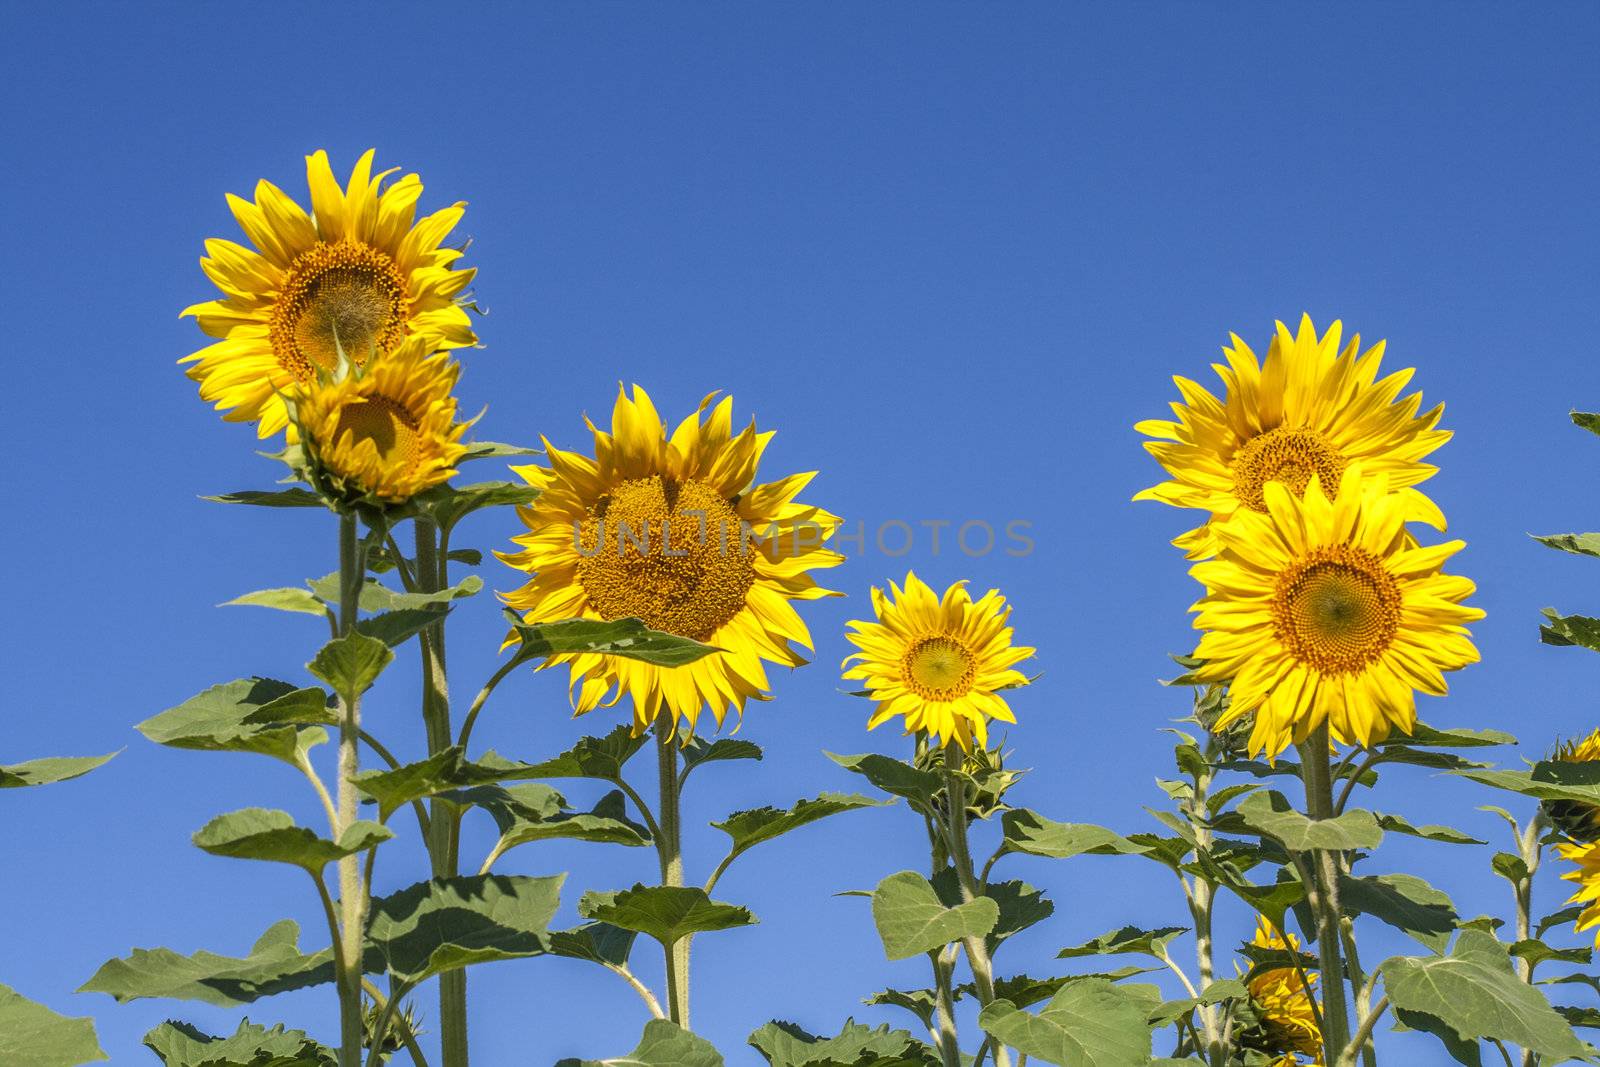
point(951, 253)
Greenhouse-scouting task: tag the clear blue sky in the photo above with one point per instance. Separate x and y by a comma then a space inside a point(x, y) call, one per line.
point(950, 253)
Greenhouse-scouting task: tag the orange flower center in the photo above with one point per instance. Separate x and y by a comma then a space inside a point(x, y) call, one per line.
point(1287, 456)
point(939, 668)
point(345, 296)
point(392, 429)
point(1336, 609)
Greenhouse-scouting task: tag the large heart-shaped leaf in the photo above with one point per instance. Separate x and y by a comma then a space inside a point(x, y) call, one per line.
point(1087, 1024)
point(31, 1035)
point(350, 664)
point(1272, 815)
point(275, 965)
point(666, 913)
point(912, 920)
point(1406, 903)
point(449, 923)
point(265, 834)
point(239, 716)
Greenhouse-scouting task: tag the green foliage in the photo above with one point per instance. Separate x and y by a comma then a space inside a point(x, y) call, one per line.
point(448, 923)
point(275, 965)
point(592, 757)
point(664, 1044)
point(1272, 815)
point(181, 1045)
point(33, 1035)
point(1406, 903)
point(784, 1044)
point(1475, 993)
point(262, 834)
point(1091, 1023)
point(599, 943)
point(895, 777)
point(1030, 833)
point(1127, 939)
point(49, 770)
point(521, 812)
point(911, 919)
point(700, 751)
point(350, 664)
point(246, 715)
point(750, 828)
point(619, 637)
point(449, 504)
point(295, 497)
point(666, 913)
point(1396, 824)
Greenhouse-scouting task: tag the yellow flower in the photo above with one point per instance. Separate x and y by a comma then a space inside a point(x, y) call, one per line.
point(673, 530)
point(938, 662)
point(1328, 611)
point(1587, 856)
point(357, 274)
point(1283, 1003)
point(1308, 411)
point(383, 432)
point(1577, 820)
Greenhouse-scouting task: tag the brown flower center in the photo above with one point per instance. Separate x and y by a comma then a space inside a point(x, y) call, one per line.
point(346, 295)
point(388, 425)
point(939, 668)
point(671, 553)
point(1287, 456)
point(1336, 609)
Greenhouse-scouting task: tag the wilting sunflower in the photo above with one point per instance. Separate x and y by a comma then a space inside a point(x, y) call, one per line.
point(1286, 1024)
point(1577, 820)
point(1328, 611)
point(938, 662)
point(673, 530)
point(1309, 411)
point(1587, 875)
point(383, 432)
point(357, 274)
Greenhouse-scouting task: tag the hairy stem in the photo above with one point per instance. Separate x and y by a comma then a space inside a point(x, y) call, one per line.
point(352, 893)
point(944, 1009)
point(1325, 899)
point(961, 854)
point(669, 849)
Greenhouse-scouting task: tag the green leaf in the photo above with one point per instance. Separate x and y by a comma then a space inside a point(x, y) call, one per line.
point(784, 1044)
point(1558, 918)
point(496, 450)
point(449, 771)
point(893, 776)
point(1570, 630)
point(1548, 780)
point(1215, 993)
point(1537, 952)
point(1021, 906)
point(522, 814)
point(351, 663)
point(1087, 1024)
point(751, 828)
point(395, 628)
point(263, 834)
point(291, 599)
point(666, 913)
point(449, 504)
point(282, 498)
point(237, 717)
point(181, 1045)
point(375, 596)
point(1396, 824)
point(592, 757)
point(599, 943)
point(619, 637)
point(1461, 1051)
point(1450, 737)
point(49, 770)
point(449, 923)
point(1128, 939)
point(275, 965)
point(1028, 832)
point(1405, 902)
point(1579, 544)
point(664, 1044)
point(1475, 992)
point(31, 1035)
point(1585, 1017)
point(1511, 867)
point(699, 751)
point(922, 1003)
point(1272, 815)
point(1587, 420)
point(470, 556)
point(912, 920)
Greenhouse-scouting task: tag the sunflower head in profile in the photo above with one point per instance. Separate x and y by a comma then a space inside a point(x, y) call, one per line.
point(1327, 611)
point(1309, 411)
point(382, 433)
point(1285, 1022)
point(672, 528)
point(940, 663)
point(359, 274)
point(1579, 821)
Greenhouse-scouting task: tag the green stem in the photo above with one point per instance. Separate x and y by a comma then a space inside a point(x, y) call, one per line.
point(1325, 898)
point(961, 854)
point(352, 894)
point(1202, 902)
point(444, 827)
point(944, 1010)
point(669, 849)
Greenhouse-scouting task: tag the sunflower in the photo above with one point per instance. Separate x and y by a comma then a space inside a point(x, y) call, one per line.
point(1283, 1005)
point(1309, 411)
point(1579, 821)
point(938, 662)
point(672, 530)
point(357, 275)
point(384, 432)
point(1587, 856)
point(1328, 611)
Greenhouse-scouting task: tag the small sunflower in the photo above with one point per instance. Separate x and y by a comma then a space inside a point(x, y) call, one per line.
point(938, 662)
point(1577, 820)
point(1309, 411)
point(358, 274)
point(1587, 875)
point(1284, 1006)
point(1328, 611)
point(673, 530)
point(384, 432)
